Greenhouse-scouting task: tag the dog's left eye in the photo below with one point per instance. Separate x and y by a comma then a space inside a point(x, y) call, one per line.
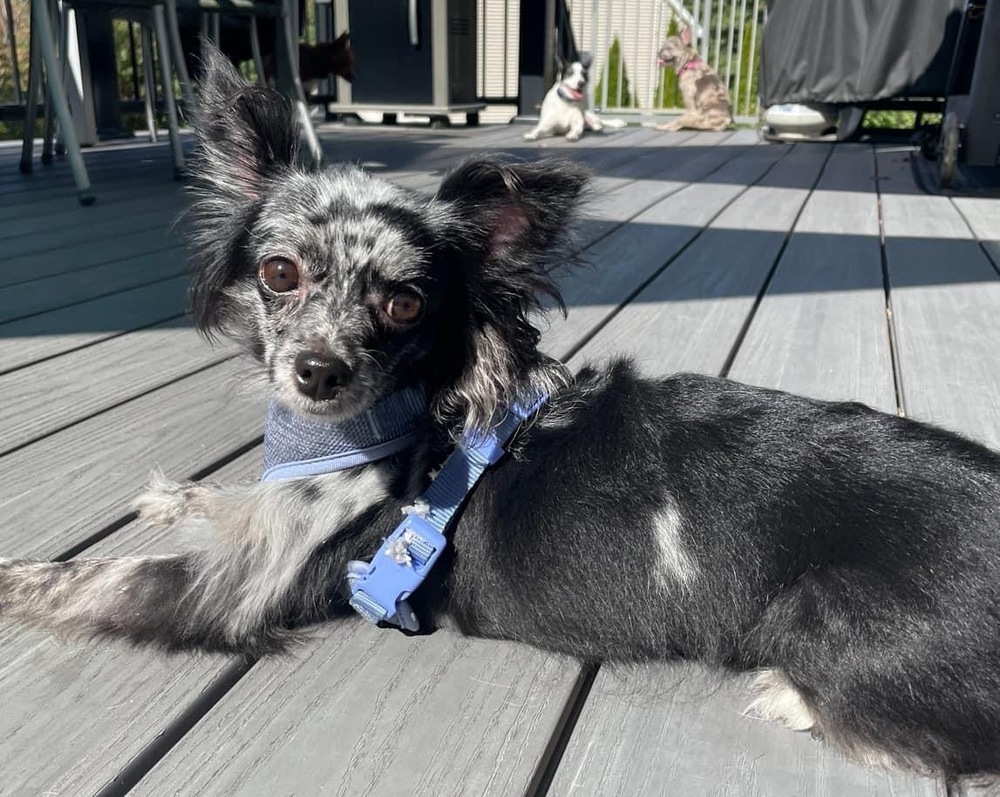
point(403, 307)
point(279, 275)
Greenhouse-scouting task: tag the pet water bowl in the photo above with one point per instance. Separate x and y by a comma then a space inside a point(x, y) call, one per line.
point(800, 121)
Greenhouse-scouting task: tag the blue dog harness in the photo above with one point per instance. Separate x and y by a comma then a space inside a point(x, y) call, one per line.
point(295, 446)
point(380, 589)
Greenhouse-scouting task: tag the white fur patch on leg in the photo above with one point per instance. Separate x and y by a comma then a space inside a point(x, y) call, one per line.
point(779, 701)
point(675, 564)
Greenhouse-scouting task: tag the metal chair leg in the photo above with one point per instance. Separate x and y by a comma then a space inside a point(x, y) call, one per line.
point(63, 14)
point(299, 96)
point(31, 108)
point(167, 73)
point(149, 80)
point(48, 126)
point(258, 60)
point(57, 92)
point(180, 65)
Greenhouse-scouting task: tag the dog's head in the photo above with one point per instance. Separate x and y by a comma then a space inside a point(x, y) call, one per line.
point(345, 286)
point(676, 50)
point(573, 77)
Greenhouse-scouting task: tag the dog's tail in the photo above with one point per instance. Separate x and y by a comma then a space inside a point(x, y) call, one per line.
point(169, 602)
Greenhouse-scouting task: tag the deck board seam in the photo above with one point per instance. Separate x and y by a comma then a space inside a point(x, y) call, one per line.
point(972, 230)
point(115, 405)
point(57, 307)
point(890, 319)
point(45, 358)
point(741, 335)
point(593, 332)
point(175, 730)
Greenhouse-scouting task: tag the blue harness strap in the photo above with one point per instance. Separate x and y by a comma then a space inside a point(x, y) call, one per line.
point(380, 588)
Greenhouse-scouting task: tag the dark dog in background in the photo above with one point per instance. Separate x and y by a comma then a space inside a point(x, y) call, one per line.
point(848, 557)
point(706, 101)
point(316, 61)
point(319, 61)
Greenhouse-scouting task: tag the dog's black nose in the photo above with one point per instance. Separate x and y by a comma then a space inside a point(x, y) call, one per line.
point(321, 376)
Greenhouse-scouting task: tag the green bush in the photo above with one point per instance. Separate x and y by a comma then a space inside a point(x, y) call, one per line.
point(667, 93)
point(619, 95)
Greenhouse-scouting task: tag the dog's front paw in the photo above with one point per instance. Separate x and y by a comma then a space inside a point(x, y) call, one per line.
point(164, 502)
point(532, 135)
point(573, 136)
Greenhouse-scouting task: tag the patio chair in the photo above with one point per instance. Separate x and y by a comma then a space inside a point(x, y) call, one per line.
point(284, 13)
point(44, 50)
point(163, 16)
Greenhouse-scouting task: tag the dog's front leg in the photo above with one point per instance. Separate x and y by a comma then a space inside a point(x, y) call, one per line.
point(576, 129)
point(537, 132)
point(263, 568)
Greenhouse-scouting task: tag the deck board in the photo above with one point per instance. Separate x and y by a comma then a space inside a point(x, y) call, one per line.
point(625, 260)
point(945, 293)
point(681, 233)
point(821, 329)
point(84, 322)
point(690, 316)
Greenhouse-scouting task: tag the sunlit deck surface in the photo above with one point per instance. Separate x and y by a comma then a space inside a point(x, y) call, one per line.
point(821, 269)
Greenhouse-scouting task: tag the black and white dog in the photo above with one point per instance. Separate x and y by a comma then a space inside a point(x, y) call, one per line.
point(850, 558)
point(564, 109)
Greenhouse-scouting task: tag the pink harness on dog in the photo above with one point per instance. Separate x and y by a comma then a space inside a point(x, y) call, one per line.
point(694, 62)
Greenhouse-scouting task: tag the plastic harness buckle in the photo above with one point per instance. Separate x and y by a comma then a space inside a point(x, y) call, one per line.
point(399, 566)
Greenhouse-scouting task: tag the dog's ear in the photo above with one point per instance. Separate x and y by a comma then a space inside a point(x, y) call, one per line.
point(248, 133)
point(511, 219)
point(686, 36)
point(586, 59)
point(560, 65)
point(247, 137)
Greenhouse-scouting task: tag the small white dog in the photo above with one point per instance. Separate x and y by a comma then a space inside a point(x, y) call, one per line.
point(564, 109)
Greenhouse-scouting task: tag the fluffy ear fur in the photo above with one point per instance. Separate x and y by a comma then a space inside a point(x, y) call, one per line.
point(515, 217)
point(247, 136)
point(586, 59)
point(686, 36)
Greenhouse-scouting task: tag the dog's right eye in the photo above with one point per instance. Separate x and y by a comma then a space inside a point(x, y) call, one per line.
point(279, 275)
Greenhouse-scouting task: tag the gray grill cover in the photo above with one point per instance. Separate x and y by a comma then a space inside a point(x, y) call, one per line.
point(854, 51)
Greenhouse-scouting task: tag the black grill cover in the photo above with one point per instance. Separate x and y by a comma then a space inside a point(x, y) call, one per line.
point(855, 51)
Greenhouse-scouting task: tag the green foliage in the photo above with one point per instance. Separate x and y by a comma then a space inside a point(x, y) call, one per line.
point(897, 120)
point(749, 65)
point(21, 10)
point(667, 93)
point(619, 95)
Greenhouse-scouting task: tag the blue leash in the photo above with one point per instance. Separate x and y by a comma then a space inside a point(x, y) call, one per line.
point(380, 588)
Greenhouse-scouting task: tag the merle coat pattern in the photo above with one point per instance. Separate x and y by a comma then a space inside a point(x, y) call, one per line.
point(706, 101)
point(849, 557)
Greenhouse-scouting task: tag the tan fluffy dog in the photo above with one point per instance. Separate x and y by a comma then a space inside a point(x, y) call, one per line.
point(706, 102)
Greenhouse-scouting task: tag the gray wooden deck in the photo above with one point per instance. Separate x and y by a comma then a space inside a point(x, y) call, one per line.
point(824, 270)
